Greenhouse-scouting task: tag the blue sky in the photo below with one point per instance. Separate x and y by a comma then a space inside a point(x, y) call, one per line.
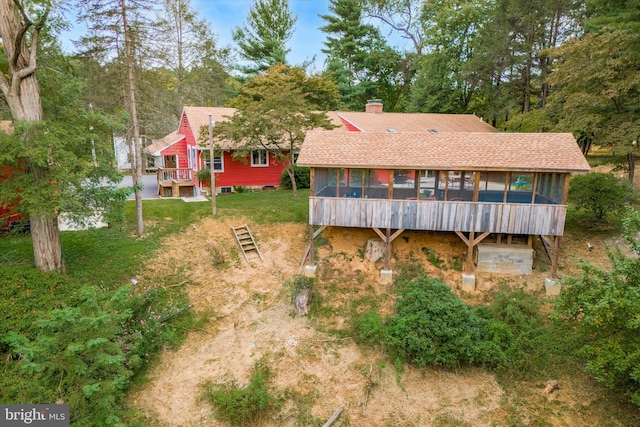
point(225, 15)
point(307, 40)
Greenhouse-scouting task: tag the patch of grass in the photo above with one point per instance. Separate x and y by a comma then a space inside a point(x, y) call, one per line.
point(244, 404)
point(433, 258)
point(266, 207)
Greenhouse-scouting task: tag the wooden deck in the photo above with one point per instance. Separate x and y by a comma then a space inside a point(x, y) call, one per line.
point(479, 217)
point(175, 182)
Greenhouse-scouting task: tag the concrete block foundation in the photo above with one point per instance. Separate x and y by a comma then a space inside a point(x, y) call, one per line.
point(504, 259)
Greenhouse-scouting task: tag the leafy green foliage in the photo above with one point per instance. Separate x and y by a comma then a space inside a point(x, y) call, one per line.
point(263, 40)
point(275, 110)
point(88, 350)
point(369, 328)
point(603, 306)
point(599, 195)
point(302, 176)
point(516, 325)
point(243, 405)
point(431, 325)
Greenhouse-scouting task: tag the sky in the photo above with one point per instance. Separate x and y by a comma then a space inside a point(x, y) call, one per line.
point(225, 15)
point(307, 40)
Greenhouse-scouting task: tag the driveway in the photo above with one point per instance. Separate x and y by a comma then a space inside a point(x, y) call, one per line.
point(149, 183)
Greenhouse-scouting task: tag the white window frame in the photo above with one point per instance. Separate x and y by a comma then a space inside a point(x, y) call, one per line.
point(260, 165)
point(207, 163)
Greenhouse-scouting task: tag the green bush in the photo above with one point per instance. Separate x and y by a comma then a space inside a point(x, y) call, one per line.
point(517, 327)
point(603, 309)
point(243, 405)
point(431, 325)
point(598, 195)
point(86, 353)
point(302, 175)
point(368, 328)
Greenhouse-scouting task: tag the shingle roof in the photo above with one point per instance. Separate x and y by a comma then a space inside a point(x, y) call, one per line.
point(444, 151)
point(167, 141)
point(415, 122)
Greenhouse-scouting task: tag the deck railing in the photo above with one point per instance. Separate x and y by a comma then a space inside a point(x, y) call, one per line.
point(433, 215)
point(175, 174)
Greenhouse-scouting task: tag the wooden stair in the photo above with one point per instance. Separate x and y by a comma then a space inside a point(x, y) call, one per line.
point(246, 241)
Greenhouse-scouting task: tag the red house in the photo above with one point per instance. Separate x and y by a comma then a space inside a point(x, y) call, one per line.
point(178, 155)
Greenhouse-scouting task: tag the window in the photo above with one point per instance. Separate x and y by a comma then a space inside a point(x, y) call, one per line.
point(218, 163)
point(259, 158)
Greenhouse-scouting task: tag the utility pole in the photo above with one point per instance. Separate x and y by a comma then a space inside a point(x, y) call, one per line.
point(211, 168)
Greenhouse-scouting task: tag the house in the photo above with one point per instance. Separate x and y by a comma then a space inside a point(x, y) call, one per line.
point(178, 155)
point(503, 187)
point(179, 158)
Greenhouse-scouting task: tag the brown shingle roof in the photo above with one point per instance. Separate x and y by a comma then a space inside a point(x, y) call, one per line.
point(159, 145)
point(444, 151)
point(415, 122)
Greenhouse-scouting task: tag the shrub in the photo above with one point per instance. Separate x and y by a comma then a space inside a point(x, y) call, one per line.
point(368, 328)
point(243, 405)
point(431, 325)
point(86, 353)
point(603, 308)
point(517, 327)
point(204, 176)
point(598, 194)
point(302, 175)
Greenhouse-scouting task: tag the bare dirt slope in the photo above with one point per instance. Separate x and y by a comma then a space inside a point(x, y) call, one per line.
point(252, 319)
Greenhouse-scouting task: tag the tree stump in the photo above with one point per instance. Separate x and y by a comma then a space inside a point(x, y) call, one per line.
point(301, 301)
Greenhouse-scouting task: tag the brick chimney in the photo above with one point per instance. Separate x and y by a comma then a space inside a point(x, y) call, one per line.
point(374, 106)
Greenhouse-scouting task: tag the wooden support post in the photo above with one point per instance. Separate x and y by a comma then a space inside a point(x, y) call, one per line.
point(471, 242)
point(470, 252)
point(554, 260)
point(312, 184)
point(390, 188)
point(311, 246)
point(387, 253)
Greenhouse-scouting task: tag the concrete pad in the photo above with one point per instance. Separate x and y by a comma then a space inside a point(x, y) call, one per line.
point(552, 287)
point(310, 270)
point(468, 282)
point(194, 199)
point(386, 277)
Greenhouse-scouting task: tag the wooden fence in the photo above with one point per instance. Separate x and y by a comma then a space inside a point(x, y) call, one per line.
point(507, 218)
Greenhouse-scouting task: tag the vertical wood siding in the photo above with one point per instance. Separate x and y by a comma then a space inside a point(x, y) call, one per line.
point(508, 218)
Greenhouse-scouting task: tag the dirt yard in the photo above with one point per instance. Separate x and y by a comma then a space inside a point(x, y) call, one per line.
point(252, 318)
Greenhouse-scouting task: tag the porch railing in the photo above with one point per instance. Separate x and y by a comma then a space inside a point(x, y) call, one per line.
point(175, 174)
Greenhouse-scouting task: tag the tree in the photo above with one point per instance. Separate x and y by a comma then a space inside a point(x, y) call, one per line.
point(402, 16)
point(602, 310)
point(186, 48)
point(263, 39)
point(359, 59)
point(275, 110)
point(20, 41)
point(599, 194)
point(110, 27)
point(49, 150)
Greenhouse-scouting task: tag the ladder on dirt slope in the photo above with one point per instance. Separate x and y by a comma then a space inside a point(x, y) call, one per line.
point(246, 241)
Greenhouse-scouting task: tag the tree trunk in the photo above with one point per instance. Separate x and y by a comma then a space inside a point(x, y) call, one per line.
point(47, 250)
point(137, 144)
point(631, 160)
point(292, 175)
